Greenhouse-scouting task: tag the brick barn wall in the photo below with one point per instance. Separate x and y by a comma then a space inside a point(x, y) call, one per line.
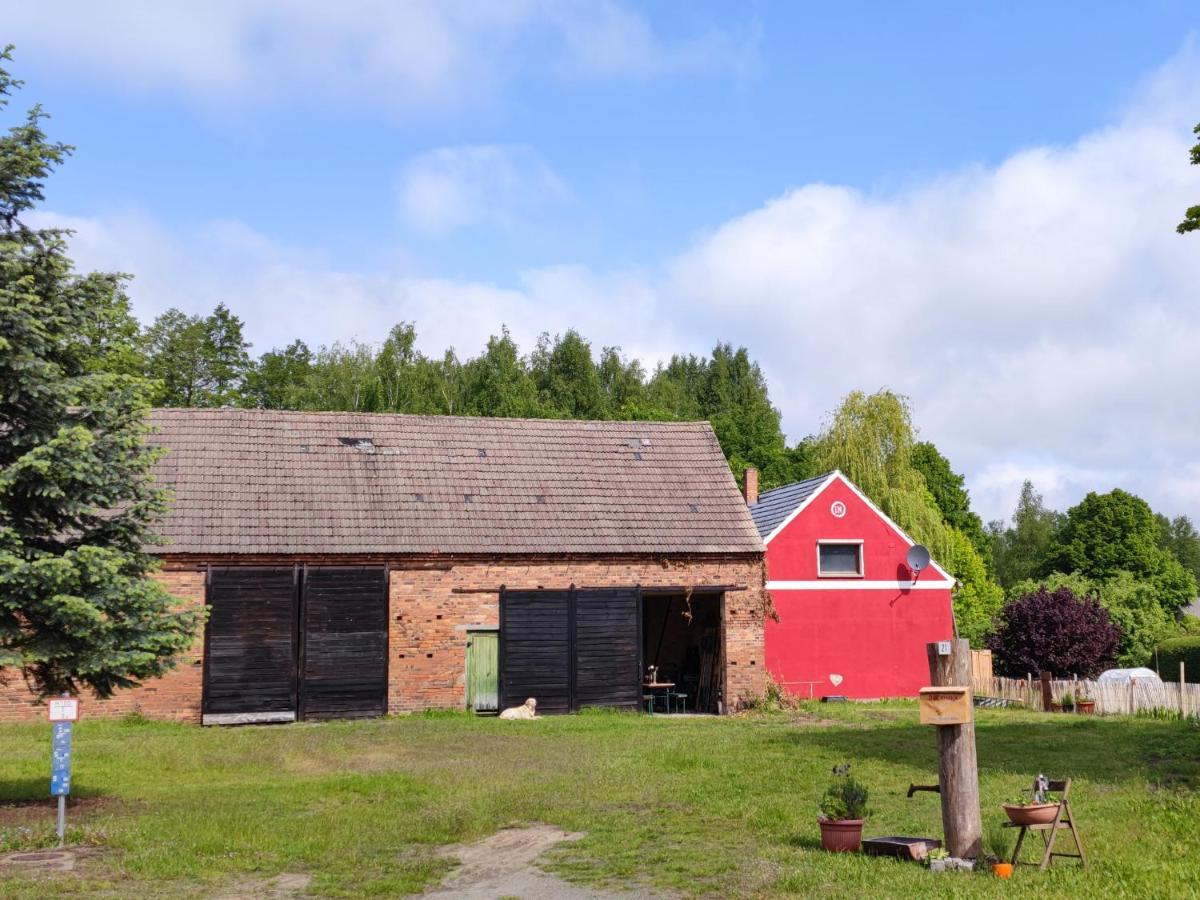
point(174, 696)
point(428, 624)
point(429, 621)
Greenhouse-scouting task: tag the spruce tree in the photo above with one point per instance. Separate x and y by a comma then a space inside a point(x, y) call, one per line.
point(77, 501)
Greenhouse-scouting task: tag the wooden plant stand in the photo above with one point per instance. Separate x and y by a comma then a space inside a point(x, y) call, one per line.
point(1065, 820)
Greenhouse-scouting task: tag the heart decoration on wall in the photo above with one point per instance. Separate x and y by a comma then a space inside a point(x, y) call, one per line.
point(835, 680)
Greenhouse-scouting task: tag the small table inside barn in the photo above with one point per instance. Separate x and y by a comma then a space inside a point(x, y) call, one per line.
point(656, 689)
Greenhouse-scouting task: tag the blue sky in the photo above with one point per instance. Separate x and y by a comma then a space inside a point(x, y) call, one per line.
point(970, 203)
point(872, 95)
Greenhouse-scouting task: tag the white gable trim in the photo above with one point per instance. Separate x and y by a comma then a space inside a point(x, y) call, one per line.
point(803, 506)
point(837, 473)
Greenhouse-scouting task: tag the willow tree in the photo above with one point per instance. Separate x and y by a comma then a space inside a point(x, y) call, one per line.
point(77, 501)
point(871, 439)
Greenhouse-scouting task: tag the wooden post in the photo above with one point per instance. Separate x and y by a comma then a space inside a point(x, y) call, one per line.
point(1047, 693)
point(1182, 695)
point(958, 770)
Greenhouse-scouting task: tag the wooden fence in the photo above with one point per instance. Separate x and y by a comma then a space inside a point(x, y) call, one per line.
point(1110, 698)
point(981, 664)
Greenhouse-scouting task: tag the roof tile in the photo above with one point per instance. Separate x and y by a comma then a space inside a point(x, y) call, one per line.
point(264, 481)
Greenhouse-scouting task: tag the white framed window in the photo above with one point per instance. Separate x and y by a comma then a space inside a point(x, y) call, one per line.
point(840, 559)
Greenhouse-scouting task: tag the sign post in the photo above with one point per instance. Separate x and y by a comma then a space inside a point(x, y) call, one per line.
point(63, 713)
point(948, 706)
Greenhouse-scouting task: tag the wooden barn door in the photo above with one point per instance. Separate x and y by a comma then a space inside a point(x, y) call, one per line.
point(483, 671)
point(608, 648)
point(250, 645)
point(343, 655)
point(535, 649)
point(570, 649)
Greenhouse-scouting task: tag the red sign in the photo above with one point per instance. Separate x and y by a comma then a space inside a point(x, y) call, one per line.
point(64, 709)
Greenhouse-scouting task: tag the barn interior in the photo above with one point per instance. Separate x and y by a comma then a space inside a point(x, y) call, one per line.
point(681, 646)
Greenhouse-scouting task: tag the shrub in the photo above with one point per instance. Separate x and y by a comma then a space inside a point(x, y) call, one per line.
point(1054, 631)
point(1178, 650)
point(845, 798)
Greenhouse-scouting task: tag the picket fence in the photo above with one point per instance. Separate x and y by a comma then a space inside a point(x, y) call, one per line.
point(1182, 698)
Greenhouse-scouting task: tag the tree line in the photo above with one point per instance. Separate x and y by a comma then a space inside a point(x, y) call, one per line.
point(1140, 566)
point(205, 361)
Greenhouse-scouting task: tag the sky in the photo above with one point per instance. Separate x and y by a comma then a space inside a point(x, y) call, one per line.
point(971, 204)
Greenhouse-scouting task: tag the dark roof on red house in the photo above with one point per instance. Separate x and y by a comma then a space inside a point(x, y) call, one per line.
point(776, 505)
point(269, 482)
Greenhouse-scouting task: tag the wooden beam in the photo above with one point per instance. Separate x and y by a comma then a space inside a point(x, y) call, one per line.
point(958, 769)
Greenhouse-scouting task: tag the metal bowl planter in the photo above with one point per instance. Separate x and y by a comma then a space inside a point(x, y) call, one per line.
point(1033, 814)
point(841, 835)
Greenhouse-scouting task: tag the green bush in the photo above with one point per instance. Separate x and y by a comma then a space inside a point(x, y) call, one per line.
point(1178, 650)
point(845, 798)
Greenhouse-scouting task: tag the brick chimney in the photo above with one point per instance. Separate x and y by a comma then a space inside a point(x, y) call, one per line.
point(750, 489)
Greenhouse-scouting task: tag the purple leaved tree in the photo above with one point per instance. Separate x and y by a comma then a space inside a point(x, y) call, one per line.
point(1054, 631)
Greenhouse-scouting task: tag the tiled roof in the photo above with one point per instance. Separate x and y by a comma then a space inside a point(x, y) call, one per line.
point(776, 505)
point(259, 481)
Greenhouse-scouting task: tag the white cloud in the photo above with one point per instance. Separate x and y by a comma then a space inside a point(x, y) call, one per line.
point(606, 38)
point(373, 52)
point(451, 187)
point(1042, 313)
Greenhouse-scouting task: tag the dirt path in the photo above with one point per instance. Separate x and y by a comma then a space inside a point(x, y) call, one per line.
point(503, 865)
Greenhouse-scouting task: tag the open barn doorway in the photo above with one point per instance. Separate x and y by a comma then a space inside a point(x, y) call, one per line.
point(681, 652)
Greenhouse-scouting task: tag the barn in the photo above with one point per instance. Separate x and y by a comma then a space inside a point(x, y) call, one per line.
point(851, 618)
point(355, 565)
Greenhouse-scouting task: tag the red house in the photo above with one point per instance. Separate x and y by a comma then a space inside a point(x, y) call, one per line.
point(853, 620)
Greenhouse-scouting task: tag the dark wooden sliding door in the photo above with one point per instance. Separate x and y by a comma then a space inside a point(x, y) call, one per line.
point(571, 649)
point(290, 642)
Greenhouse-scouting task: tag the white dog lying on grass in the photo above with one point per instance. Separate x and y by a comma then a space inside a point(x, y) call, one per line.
point(527, 710)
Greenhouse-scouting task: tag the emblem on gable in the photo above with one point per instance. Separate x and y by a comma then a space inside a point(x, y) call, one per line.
point(837, 509)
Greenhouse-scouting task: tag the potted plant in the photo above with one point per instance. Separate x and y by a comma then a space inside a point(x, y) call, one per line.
point(843, 809)
point(1030, 810)
point(1086, 706)
point(997, 846)
point(1068, 702)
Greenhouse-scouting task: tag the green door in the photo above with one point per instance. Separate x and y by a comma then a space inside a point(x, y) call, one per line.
point(483, 671)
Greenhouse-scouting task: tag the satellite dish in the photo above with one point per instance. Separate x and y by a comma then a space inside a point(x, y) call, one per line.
point(917, 559)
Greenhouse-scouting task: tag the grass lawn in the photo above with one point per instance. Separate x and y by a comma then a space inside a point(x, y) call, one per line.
point(716, 807)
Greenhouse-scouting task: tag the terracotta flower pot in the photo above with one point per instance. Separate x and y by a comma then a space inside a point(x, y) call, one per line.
point(841, 836)
point(1002, 870)
point(1086, 707)
point(1035, 814)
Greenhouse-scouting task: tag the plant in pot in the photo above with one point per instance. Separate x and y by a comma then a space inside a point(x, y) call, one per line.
point(1031, 809)
point(843, 809)
point(997, 846)
point(936, 859)
point(1086, 706)
point(1068, 702)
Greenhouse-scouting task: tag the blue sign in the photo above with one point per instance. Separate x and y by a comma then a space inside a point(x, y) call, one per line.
point(60, 760)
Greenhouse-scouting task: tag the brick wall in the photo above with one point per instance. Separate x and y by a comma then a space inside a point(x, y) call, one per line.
point(428, 623)
point(174, 696)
